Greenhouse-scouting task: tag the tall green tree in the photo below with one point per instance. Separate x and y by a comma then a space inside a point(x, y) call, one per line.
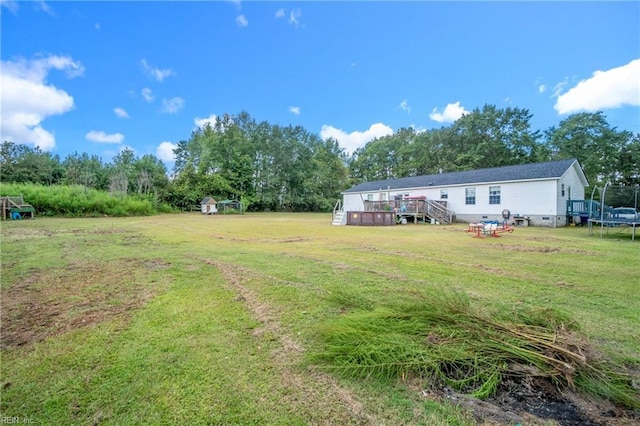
point(20, 163)
point(386, 157)
point(589, 138)
point(629, 160)
point(83, 169)
point(492, 137)
point(122, 173)
point(151, 176)
point(269, 166)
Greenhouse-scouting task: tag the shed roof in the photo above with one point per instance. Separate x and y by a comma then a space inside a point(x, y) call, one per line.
point(208, 200)
point(533, 171)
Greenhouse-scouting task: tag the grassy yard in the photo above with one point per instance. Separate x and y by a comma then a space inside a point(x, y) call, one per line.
point(207, 319)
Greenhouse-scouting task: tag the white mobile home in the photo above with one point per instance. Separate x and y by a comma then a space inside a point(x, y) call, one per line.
point(535, 194)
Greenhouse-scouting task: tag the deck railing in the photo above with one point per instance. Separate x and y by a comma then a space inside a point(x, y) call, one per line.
point(429, 208)
point(440, 212)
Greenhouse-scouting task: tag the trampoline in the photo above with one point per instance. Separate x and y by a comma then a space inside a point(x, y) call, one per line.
point(607, 217)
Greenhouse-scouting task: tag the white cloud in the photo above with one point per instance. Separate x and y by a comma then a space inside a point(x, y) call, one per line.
point(11, 5)
point(294, 17)
point(295, 110)
point(164, 151)
point(202, 122)
point(147, 95)
point(102, 137)
point(613, 88)
point(120, 112)
point(542, 88)
point(156, 73)
point(43, 6)
point(558, 88)
point(242, 21)
point(27, 99)
point(173, 105)
point(404, 105)
point(354, 140)
point(38, 69)
point(450, 113)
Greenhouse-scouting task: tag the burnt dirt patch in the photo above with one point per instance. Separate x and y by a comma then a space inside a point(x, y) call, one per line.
point(534, 401)
point(51, 302)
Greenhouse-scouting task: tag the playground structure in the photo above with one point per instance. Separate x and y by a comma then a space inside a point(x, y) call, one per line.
point(16, 208)
point(605, 213)
point(491, 228)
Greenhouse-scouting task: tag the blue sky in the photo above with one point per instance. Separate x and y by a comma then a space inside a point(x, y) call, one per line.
point(96, 77)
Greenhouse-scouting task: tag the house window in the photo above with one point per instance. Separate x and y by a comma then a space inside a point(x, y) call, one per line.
point(469, 195)
point(444, 194)
point(494, 195)
point(369, 197)
point(562, 189)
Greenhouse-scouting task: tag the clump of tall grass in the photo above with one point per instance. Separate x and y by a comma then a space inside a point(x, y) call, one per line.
point(80, 201)
point(445, 338)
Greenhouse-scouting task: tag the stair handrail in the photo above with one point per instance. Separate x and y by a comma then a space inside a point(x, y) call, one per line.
point(336, 208)
point(441, 212)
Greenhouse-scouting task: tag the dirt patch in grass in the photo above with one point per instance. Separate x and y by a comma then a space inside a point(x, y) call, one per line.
point(546, 249)
point(17, 234)
point(51, 302)
point(263, 240)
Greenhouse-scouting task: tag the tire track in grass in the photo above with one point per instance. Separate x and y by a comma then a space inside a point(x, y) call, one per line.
point(315, 392)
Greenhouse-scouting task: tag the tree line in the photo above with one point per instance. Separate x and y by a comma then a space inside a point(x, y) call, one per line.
point(287, 168)
point(493, 137)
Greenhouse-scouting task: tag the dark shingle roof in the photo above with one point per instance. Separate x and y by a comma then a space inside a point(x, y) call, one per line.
point(207, 200)
point(551, 169)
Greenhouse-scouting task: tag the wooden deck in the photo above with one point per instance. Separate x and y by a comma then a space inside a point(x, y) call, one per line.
point(417, 209)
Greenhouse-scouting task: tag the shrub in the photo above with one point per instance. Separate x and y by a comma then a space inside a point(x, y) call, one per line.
point(77, 201)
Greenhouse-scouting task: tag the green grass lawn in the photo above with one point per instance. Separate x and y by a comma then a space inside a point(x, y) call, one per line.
point(207, 319)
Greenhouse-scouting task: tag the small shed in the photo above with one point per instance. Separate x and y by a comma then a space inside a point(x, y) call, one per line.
point(209, 205)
